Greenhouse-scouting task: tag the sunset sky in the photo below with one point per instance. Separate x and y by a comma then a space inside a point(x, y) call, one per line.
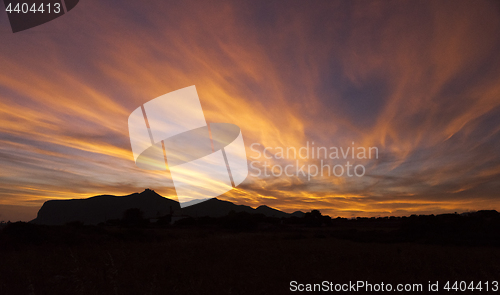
point(419, 80)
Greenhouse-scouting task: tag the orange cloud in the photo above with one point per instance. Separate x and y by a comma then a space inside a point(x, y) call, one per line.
point(418, 82)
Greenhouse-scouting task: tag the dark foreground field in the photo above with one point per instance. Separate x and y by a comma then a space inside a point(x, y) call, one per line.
point(210, 260)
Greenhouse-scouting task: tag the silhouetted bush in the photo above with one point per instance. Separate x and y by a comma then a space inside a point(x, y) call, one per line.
point(134, 217)
point(23, 233)
point(164, 220)
point(188, 221)
point(76, 223)
point(315, 219)
point(241, 221)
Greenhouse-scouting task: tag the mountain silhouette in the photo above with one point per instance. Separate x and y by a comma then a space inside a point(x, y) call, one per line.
point(102, 208)
point(268, 211)
point(218, 208)
point(99, 209)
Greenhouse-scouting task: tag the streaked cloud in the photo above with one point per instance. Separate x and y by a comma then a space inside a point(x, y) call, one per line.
point(420, 81)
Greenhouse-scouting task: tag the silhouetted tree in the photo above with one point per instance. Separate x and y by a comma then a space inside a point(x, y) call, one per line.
point(314, 218)
point(164, 220)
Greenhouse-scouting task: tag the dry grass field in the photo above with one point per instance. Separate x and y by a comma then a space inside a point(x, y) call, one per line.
point(208, 260)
